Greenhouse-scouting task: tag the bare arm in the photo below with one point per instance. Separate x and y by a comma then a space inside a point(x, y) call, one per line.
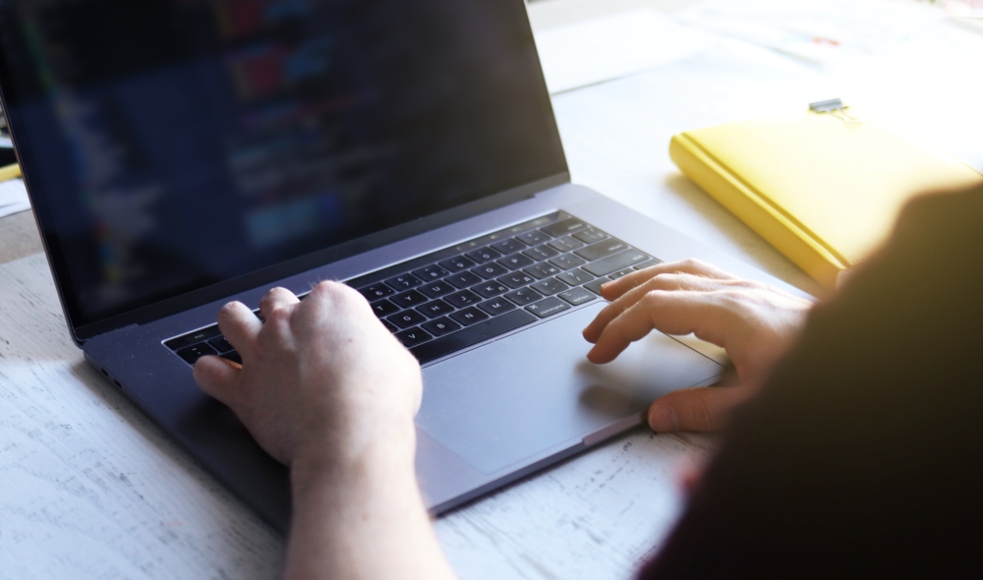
point(328, 391)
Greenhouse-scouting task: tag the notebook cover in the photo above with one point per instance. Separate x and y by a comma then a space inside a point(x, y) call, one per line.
point(823, 191)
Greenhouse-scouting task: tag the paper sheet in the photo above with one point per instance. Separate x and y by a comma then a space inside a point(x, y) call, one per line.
point(823, 32)
point(13, 197)
point(964, 8)
point(587, 53)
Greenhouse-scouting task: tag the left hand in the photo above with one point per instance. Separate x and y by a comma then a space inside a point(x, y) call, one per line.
point(321, 380)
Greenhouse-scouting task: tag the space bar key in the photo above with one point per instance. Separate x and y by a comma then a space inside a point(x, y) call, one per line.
point(471, 335)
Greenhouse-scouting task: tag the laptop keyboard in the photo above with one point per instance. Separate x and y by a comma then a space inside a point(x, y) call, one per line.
point(458, 297)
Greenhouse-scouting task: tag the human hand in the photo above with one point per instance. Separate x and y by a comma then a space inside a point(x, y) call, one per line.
point(322, 380)
point(755, 323)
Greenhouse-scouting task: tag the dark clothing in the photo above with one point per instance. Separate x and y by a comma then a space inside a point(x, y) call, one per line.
point(863, 454)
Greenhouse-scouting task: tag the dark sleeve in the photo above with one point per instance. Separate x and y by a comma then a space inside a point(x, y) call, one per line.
point(862, 456)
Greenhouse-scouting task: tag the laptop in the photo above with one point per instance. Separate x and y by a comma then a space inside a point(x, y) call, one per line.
point(180, 154)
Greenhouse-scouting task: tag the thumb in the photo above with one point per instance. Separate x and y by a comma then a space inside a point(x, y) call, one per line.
point(698, 409)
point(217, 377)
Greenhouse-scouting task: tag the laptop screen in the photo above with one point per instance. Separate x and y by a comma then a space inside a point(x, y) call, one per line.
point(174, 144)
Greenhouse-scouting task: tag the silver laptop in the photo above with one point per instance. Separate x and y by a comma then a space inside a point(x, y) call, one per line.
point(182, 154)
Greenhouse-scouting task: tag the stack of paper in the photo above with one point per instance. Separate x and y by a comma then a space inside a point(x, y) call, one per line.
point(13, 197)
point(823, 32)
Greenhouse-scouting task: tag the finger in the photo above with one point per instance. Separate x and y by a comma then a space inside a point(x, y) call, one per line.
point(217, 377)
point(240, 326)
point(338, 303)
point(679, 312)
point(277, 299)
point(613, 290)
point(664, 281)
point(699, 409)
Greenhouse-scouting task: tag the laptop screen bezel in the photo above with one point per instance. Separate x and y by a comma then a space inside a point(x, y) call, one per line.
point(507, 194)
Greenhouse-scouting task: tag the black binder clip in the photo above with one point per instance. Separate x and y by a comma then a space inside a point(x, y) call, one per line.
point(836, 108)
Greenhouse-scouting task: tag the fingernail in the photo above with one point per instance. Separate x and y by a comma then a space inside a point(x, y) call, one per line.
point(662, 419)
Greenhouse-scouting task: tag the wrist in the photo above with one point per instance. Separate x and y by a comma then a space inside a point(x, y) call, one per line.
point(338, 463)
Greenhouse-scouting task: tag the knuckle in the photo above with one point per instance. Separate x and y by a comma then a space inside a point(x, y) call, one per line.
point(279, 315)
point(653, 297)
point(325, 290)
point(664, 281)
point(692, 264)
point(227, 309)
point(703, 413)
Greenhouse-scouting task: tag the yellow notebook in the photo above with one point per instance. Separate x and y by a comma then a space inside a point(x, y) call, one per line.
point(822, 189)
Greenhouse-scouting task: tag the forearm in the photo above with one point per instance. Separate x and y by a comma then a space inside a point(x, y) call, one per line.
point(365, 519)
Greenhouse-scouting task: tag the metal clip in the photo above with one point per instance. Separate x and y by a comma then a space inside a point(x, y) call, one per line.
point(836, 108)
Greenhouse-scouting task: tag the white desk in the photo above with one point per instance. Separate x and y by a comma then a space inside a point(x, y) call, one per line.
point(90, 488)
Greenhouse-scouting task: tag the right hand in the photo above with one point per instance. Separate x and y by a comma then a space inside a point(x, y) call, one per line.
point(755, 323)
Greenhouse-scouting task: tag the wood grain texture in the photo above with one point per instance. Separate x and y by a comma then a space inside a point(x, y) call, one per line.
point(89, 487)
point(92, 489)
point(19, 237)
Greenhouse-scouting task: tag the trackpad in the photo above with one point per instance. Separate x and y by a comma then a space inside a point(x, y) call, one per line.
point(535, 392)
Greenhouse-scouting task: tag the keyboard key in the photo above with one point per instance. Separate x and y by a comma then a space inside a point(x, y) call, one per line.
point(576, 277)
point(413, 336)
point(472, 335)
point(462, 299)
point(407, 318)
point(435, 309)
point(602, 249)
point(409, 299)
point(463, 280)
point(430, 273)
point(567, 261)
point(404, 282)
point(441, 326)
point(457, 264)
point(496, 306)
point(194, 352)
point(595, 286)
point(540, 253)
point(577, 296)
point(377, 291)
point(384, 308)
point(389, 326)
point(516, 279)
point(549, 286)
point(193, 337)
point(540, 271)
point(616, 262)
point(469, 316)
point(533, 238)
point(524, 296)
point(652, 262)
point(221, 345)
point(621, 273)
point(490, 288)
point(548, 307)
point(436, 289)
point(563, 228)
point(509, 246)
point(567, 244)
point(591, 236)
point(233, 356)
point(515, 261)
point(483, 255)
point(490, 270)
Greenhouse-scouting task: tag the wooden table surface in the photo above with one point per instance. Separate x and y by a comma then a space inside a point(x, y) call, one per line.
point(89, 487)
